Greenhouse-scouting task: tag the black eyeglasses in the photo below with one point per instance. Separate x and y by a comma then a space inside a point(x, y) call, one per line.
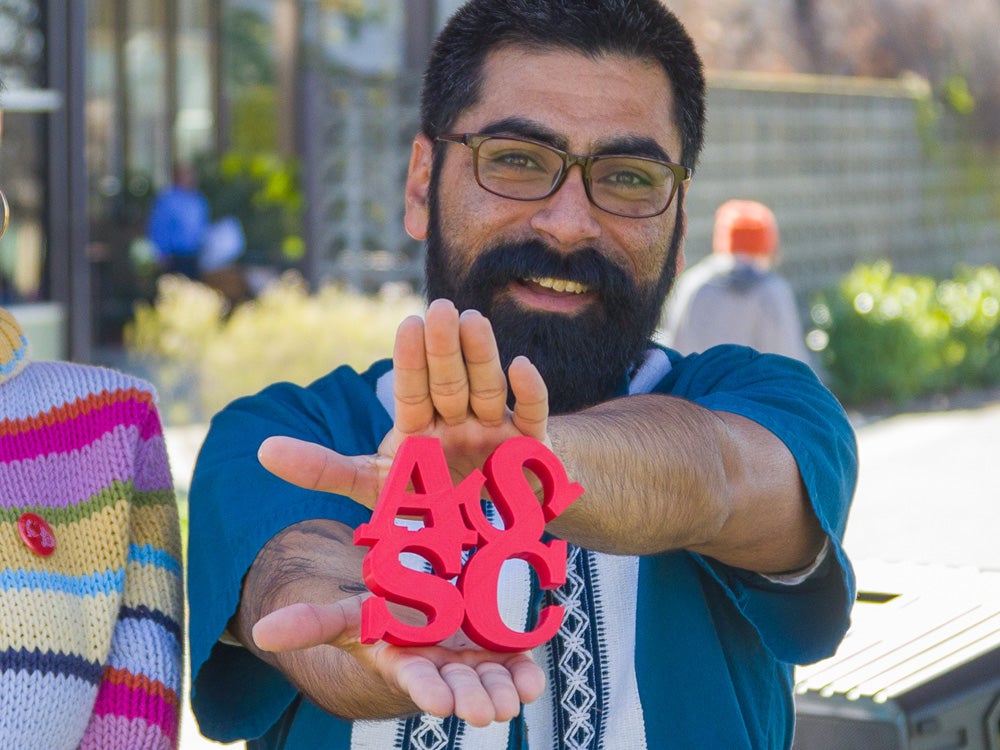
point(525, 170)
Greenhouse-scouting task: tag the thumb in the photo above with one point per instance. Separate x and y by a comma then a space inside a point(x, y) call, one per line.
point(302, 625)
point(316, 467)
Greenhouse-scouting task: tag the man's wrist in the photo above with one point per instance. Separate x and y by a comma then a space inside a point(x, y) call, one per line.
point(795, 577)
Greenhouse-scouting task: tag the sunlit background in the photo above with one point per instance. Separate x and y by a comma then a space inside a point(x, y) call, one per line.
point(871, 128)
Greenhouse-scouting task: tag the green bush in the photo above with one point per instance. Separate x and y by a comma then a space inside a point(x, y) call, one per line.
point(201, 358)
point(263, 191)
point(884, 335)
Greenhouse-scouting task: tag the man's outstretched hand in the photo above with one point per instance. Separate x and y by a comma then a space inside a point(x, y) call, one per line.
point(448, 384)
point(455, 677)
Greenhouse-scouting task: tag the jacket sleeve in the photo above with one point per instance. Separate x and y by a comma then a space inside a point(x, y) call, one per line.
point(806, 622)
point(236, 507)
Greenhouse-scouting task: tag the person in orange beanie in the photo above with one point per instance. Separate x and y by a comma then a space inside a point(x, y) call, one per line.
point(734, 296)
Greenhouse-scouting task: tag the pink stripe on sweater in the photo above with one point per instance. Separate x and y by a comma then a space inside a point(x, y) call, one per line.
point(105, 732)
point(135, 703)
point(77, 431)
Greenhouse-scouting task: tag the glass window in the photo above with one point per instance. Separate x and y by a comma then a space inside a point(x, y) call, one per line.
point(364, 37)
point(22, 153)
point(148, 142)
point(194, 125)
point(249, 75)
point(102, 111)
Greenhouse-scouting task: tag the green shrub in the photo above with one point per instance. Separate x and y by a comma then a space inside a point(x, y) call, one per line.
point(200, 358)
point(167, 340)
point(885, 335)
point(263, 191)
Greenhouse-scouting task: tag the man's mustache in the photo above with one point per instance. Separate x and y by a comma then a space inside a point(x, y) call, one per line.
point(511, 261)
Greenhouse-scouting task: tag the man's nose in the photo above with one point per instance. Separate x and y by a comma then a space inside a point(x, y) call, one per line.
point(567, 218)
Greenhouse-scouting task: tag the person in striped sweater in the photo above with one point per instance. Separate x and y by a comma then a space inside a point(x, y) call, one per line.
point(91, 584)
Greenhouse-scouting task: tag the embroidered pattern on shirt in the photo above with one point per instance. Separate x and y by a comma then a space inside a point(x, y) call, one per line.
point(576, 652)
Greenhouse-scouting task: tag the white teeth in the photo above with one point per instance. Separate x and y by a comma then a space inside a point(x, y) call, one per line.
point(560, 285)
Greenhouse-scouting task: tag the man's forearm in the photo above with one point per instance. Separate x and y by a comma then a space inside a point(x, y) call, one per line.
point(662, 473)
point(315, 562)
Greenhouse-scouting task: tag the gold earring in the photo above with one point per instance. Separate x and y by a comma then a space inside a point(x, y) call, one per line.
point(6, 213)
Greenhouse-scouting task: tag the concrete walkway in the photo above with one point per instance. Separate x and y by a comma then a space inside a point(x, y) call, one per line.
point(929, 489)
point(929, 492)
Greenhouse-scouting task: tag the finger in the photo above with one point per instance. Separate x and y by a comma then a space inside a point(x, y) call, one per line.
point(487, 384)
point(418, 678)
point(305, 625)
point(528, 677)
point(499, 686)
point(447, 376)
point(315, 467)
point(472, 702)
point(414, 409)
point(531, 399)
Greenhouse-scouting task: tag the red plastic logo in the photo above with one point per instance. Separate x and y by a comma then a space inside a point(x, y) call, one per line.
point(453, 521)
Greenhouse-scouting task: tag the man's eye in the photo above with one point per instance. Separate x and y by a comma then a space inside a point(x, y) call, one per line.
point(627, 179)
point(515, 160)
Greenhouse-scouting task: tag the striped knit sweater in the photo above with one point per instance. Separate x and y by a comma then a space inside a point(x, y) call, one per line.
point(90, 634)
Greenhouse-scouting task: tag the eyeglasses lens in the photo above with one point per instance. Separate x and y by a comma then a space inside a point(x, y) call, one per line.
point(516, 169)
point(623, 185)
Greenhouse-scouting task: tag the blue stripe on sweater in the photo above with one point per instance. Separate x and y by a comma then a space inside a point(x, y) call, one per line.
point(19, 354)
point(143, 612)
point(108, 582)
point(46, 662)
point(145, 647)
point(147, 554)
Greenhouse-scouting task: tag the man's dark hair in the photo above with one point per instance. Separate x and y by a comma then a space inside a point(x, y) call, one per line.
point(639, 29)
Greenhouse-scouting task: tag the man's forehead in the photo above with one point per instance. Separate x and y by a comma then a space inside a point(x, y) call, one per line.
point(578, 102)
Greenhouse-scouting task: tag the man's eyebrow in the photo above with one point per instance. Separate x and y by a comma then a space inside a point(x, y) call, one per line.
point(628, 145)
point(633, 145)
point(525, 128)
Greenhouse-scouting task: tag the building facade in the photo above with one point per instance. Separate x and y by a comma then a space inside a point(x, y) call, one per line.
point(103, 97)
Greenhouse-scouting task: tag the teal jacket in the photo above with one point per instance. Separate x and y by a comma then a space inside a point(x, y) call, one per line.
point(715, 646)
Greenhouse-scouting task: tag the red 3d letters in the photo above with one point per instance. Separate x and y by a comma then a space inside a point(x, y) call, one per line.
point(452, 522)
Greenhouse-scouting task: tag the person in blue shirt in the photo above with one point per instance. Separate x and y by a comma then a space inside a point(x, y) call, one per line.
point(548, 180)
point(178, 223)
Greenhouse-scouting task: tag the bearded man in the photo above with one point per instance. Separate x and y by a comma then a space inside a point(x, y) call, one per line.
point(557, 141)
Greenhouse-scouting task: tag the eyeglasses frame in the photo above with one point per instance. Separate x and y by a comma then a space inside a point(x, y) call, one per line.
point(682, 174)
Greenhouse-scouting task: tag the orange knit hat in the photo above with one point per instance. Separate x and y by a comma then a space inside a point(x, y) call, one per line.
point(745, 227)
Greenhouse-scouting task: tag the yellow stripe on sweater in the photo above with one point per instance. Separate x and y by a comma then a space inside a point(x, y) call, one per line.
point(96, 543)
point(157, 526)
point(155, 588)
point(93, 545)
point(58, 622)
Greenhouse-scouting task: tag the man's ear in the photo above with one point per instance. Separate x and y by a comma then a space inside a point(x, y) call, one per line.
point(418, 188)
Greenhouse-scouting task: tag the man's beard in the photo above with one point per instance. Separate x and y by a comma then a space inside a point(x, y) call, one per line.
point(584, 358)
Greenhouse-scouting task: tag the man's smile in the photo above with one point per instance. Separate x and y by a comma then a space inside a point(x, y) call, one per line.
point(552, 294)
point(559, 285)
